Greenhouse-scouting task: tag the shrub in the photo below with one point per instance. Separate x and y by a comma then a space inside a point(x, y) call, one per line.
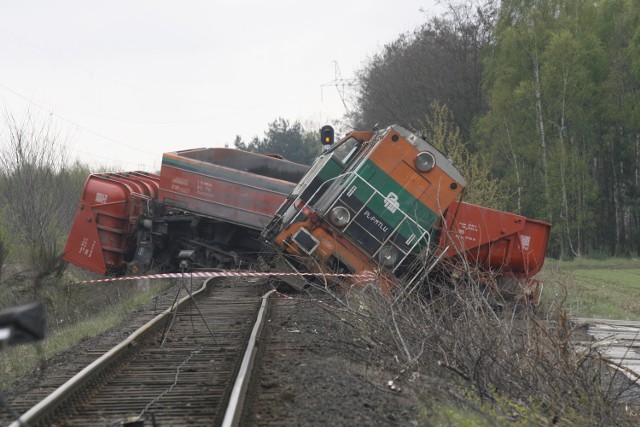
point(452, 345)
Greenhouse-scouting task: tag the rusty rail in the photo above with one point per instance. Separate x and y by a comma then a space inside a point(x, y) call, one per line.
point(40, 411)
point(109, 365)
point(236, 401)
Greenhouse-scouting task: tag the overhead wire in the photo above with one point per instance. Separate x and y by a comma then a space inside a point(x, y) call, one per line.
point(156, 93)
point(50, 110)
point(244, 108)
point(51, 113)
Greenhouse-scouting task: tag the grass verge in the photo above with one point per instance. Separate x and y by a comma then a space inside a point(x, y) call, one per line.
point(594, 288)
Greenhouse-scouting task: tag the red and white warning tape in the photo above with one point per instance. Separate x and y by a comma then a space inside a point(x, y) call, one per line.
point(207, 274)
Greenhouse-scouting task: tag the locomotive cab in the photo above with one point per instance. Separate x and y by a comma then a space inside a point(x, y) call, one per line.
point(371, 203)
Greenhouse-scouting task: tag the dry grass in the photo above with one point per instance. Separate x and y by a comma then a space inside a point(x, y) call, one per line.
point(73, 313)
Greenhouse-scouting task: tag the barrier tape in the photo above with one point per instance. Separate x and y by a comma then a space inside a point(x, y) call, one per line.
point(208, 274)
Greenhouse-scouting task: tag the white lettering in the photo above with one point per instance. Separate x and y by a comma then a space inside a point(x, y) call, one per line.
point(101, 198)
point(180, 181)
point(376, 221)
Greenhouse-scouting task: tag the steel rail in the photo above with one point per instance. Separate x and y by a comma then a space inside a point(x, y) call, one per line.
point(236, 401)
point(49, 404)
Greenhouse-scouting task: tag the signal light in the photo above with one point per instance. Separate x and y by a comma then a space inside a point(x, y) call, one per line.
point(326, 135)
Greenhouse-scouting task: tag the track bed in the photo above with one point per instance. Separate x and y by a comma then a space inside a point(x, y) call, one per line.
point(185, 381)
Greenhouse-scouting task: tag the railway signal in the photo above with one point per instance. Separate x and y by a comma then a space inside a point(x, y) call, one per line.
point(327, 136)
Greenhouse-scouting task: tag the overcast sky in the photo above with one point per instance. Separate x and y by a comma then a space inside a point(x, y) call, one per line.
point(126, 81)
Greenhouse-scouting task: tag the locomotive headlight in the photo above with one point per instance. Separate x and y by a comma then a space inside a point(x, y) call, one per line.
point(339, 216)
point(425, 161)
point(388, 256)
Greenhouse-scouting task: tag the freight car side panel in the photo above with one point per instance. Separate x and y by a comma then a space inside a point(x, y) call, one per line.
point(498, 241)
point(226, 184)
point(105, 221)
point(83, 247)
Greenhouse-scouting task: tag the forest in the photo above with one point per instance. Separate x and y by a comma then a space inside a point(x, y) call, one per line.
point(545, 93)
point(536, 100)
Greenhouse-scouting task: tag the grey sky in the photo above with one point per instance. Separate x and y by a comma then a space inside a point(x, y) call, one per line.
point(129, 80)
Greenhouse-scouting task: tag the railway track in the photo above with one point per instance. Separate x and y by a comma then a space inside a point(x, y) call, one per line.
point(178, 369)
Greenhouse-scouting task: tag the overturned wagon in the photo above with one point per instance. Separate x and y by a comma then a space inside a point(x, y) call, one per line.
point(211, 201)
point(103, 233)
point(229, 185)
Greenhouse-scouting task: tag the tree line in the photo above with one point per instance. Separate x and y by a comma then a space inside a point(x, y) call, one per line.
point(545, 92)
point(543, 95)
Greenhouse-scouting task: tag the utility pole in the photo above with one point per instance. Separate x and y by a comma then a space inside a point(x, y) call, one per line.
point(340, 84)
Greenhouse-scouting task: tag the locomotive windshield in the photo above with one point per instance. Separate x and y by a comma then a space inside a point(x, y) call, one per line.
point(347, 150)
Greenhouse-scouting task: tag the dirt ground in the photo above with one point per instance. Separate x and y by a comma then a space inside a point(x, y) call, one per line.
point(314, 371)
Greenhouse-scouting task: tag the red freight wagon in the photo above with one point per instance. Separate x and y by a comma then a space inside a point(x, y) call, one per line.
point(232, 185)
point(496, 240)
point(106, 219)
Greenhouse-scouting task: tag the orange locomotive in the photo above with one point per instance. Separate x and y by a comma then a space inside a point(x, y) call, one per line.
point(370, 204)
point(385, 202)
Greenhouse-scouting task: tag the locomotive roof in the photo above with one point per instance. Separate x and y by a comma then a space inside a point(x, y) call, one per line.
point(422, 145)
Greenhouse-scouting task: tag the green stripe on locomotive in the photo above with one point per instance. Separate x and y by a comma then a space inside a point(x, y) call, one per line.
point(386, 209)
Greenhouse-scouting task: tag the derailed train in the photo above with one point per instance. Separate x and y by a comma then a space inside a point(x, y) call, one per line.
point(383, 202)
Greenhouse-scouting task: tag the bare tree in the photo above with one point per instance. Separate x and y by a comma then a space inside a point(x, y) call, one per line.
point(33, 167)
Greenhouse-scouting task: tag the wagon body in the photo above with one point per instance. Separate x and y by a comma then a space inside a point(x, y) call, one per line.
point(102, 231)
point(497, 241)
point(227, 184)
